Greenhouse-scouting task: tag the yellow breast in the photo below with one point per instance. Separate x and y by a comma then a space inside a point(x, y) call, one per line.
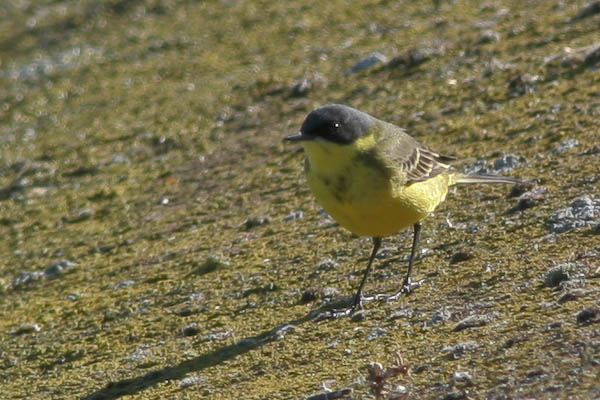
point(364, 195)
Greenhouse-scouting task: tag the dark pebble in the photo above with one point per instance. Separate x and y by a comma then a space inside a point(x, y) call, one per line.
point(588, 315)
point(190, 330)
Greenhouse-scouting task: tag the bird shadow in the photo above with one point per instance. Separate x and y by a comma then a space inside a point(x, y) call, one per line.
point(213, 358)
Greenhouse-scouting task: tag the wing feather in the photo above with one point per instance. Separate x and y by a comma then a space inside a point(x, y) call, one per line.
point(416, 160)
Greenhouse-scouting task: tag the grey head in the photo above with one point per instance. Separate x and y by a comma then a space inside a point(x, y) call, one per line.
point(335, 123)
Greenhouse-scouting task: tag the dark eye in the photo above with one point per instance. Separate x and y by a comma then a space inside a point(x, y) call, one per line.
point(336, 125)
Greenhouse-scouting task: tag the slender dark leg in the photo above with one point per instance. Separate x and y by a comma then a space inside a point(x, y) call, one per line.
point(357, 297)
point(413, 253)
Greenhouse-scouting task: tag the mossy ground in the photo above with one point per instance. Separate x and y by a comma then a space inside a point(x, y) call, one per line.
point(137, 137)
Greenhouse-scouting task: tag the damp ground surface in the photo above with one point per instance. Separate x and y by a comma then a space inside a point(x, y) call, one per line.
point(159, 240)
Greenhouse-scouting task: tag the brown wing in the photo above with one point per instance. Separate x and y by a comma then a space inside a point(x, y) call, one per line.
point(424, 164)
point(415, 159)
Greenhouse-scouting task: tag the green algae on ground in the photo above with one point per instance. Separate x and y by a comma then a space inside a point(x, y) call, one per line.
point(137, 139)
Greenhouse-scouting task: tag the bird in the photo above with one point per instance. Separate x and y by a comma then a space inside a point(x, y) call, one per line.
point(374, 179)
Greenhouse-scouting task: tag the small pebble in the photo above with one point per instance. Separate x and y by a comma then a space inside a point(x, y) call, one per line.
point(253, 222)
point(309, 295)
point(368, 62)
point(588, 315)
point(572, 295)
point(191, 381)
point(522, 84)
point(583, 211)
point(458, 350)
point(25, 328)
point(558, 274)
point(191, 329)
point(566, 145)
point(473, 321)
point(58, 268)
point(463, 376)
point(529, 200)
point(460, 256)
point(489, 36)
point(123, 284)
point(439, 316)
point(298, 214)
point(301, 88)
point(26, 278)
point(377, 333)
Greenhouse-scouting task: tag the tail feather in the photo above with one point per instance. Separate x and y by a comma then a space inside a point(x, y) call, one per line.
point(487, 178)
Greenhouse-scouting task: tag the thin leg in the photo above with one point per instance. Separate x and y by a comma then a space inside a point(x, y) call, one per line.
point(357, 297)
point(413, 253)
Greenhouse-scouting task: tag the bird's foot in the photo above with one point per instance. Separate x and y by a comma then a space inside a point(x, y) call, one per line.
point(407, 288)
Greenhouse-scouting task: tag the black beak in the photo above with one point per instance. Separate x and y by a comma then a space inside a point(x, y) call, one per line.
point(297, 137)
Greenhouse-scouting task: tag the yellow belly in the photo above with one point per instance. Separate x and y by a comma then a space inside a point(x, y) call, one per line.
point(375, 206)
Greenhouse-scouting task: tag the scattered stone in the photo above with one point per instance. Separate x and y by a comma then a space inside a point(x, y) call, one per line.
point(192, 380)
point(309, 295)
point(105, 248)
point(496, 65)
point(505, 163)
point(583, 211)
point(28, 327)
point(456, 395)
point(368, 62)
point(262, 290)
point(572, 295)
point(522, 84)
point(26, 278)
point(460, 256)
point(463, 377)
point(191, 329)
point(439, 316)
point(140, 354)
point(123, 284)
point(535, 373)
point(473, 321)
point(82, 215)
point(280, 332)
point(554, 388)
point(458, 350)
point(331, 395)
point(489, 36)
point(405, 312)
point(508, 162)
point(529, 199)
point(298, 214)
point(558, 274)
point(253, 222)
point(326, 265)
point(413, 57)
point(588, 315)
point(58, 268)
point(514, 340)
point(211, 264)
point(73, 296)
point(301, 88)
point(566, 145)
point(378, 332)
point(330, 292)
